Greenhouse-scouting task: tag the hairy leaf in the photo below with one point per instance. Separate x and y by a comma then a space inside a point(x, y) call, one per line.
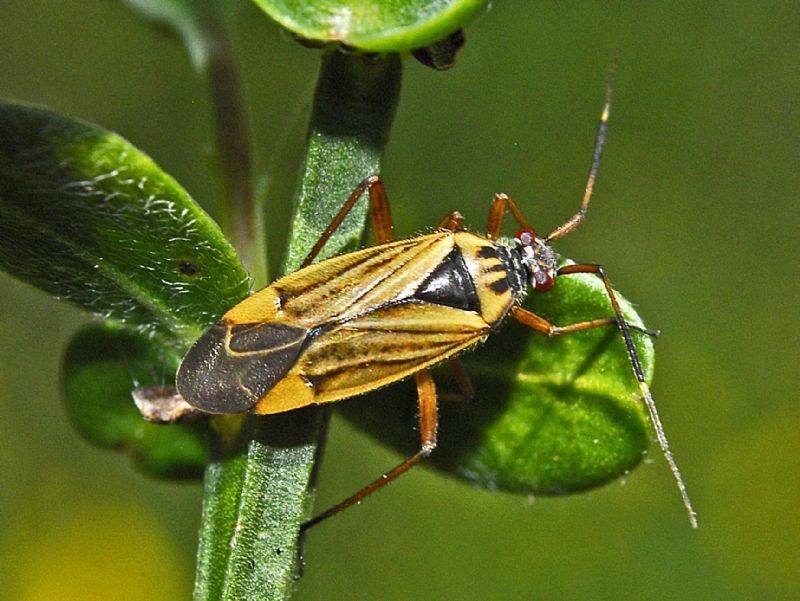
point(86, 216)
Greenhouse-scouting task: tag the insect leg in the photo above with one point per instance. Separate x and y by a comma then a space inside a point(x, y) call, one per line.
point(574, 221)
point(452, 222)
point(542, 325)
point(462, 378)
point(497, 212)
point(382, 225)
point(378, 208)
point(428, 424)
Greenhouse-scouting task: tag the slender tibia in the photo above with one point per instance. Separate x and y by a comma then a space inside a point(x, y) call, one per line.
point(428, 424)
point(498, 211)
point(542, 325)
point(378, 208)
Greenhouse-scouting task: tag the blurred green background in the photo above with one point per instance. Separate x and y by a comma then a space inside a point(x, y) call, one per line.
point(696, 217)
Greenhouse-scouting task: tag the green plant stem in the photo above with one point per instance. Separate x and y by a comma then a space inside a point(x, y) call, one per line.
point(241, 217)
point(259, 484)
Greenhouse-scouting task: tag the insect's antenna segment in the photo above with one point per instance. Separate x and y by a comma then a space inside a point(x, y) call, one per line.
point(636, 364)
point(664, 444)
point(651, 407)
point(574, 221)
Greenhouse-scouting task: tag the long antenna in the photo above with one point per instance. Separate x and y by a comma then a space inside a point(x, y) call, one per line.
point(600, 140)
point(664, 444)
point(569, 225)
point(636, 364)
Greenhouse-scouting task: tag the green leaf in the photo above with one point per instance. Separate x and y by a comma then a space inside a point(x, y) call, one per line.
point(255, 497)
point(549, 416)
point(205, 27)
point(371, 25)
point(102, 364)
point(86, 216)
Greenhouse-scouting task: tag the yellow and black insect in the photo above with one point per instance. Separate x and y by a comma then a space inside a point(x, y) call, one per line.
point(365, 319)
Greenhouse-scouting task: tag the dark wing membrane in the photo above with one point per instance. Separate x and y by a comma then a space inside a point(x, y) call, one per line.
point(373, 350)
point(230, 368)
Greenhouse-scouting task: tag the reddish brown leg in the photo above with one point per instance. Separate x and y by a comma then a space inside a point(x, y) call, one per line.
point(542, 325)
point(498, 211)
point(428, 423)
point(452, 222)
point(378, 208)
point(462, 379)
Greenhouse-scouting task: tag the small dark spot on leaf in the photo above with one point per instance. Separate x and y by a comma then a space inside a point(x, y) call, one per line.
point(188, 268)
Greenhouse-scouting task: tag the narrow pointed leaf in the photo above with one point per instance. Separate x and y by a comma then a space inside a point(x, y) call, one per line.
point(549, 416)
point(86, 216)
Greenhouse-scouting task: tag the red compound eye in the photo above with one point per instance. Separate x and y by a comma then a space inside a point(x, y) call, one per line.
point(542, 282)
point(525, 236)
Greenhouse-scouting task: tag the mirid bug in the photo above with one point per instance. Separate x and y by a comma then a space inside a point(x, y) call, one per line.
point(365, 319)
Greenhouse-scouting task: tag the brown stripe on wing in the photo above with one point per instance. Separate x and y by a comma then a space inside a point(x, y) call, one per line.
point(351, 284)
point(335, 372)
point(384, 346)
point(316, 294)
point(407, 278)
